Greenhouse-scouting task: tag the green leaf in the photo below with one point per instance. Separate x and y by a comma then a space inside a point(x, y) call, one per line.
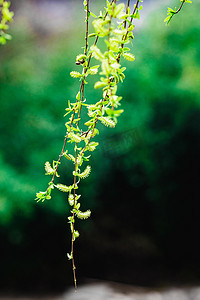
point(85, 173)
point(93, 15)
point(92, 35)
point(92, 146)
point(106, 70)
point(49, 170)
point(75, 234)
point(72, 157)
point(42, 196)
point(78, 96)
point(93, 70)
point(118, 10)
point(96, 53)
point(80, 59)
point(167, 19)
point(107, 122)
point(100, 30)
point(66, 155)
point(129, 56)
point(63, 188)
point(99, 85)
point(75, 74)
point(83, 215)
point(74, 137)
point(69, 256)
point(114, 113)
point(95, 131)
point(71, 199)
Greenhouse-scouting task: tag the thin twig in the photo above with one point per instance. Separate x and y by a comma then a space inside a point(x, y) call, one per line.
point(75, 162)
point(131, 20)
point(73, 216)
point(127, 6)
point(177, 11)
point(108, 48)
point(96, 40)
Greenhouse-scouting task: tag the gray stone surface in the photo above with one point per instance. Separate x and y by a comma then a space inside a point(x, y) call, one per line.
point(113, 291)
point(105, 291)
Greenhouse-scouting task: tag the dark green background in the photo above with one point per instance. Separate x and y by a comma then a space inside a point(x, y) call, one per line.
point(144, 187)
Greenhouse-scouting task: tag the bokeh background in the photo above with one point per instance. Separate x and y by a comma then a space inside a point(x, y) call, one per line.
point(144, 187)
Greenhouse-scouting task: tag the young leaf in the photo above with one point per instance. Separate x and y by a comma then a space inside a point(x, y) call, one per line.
point(75, 234)
point(107, 122)
point(99, 85)
point(92, 35)
point(92, 146)
point(78, 96)
point(100, 30)
point(63, 188)
point(85, 173)
point(74, 137)
point(49, 170)
point(96, 53)
point(75, 74)
point(69, 256)
point(83, 215)
point(129, 56)
point(93, 70)
point(71, 199)
point(119, 9)
point(67, 156)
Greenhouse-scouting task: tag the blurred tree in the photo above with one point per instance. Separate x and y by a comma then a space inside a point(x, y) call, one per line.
point(152, 179)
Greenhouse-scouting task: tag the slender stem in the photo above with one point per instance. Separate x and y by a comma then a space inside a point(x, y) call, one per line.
point(108, 49)
point(135, 8)
point(176, 12)
point(76, 165)
point(92, 131)
point(96, 40)
point(73, 218)
point(127, 6)
point(85, 52)
point(87, 28)
point(131, 20)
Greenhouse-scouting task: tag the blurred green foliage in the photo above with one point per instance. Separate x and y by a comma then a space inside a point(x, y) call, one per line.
point(143, 189)
point(6, 16)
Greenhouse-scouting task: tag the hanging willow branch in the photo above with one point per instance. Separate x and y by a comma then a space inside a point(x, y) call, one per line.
point(172, 12)
point(115, 27)
point(104, 110)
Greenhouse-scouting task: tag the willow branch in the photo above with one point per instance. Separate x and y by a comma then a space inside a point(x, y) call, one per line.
point(131, 21)
point(82, 90)
point(118, 60)
point(178, 10)
point(127, 6)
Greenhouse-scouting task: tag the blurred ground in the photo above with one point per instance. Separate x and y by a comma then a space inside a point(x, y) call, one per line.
point(112, 291)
